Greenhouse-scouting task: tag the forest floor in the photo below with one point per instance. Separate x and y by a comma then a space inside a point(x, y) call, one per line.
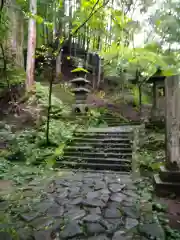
point(95, 202)
point(41, 201)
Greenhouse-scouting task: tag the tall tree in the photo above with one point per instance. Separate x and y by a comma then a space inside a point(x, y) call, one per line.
point(13, 41)
point(166, 23)
point(31, 46)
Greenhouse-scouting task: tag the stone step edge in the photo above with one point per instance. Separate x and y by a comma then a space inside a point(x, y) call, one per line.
point(97, 153)
point(127, 161)
point(105, 137)
point(116, 167)
point(86, 139)
point(95, 171)
point(93, 148)
point(105, 144)
point(103, 132)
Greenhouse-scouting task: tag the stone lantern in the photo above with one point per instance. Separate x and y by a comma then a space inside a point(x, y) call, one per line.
point(81, 88)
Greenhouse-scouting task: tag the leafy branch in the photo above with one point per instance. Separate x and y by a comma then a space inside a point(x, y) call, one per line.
point(93, 11)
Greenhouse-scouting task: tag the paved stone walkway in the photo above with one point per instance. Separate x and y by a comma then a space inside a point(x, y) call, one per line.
point(87, 205)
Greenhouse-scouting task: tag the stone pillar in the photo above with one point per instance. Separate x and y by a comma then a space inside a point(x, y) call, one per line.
point(172, 115)
point(168, 179)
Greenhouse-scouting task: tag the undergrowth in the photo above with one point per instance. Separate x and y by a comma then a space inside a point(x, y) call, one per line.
point(28, 145)
point(158, 210)
point(151, 157)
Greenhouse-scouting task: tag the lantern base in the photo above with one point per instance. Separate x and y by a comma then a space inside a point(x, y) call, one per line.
point(80, 108)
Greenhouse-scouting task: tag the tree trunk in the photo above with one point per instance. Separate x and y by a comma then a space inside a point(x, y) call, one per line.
point(172, 92)
point(60, 33)
point(14, 41)
point(49, 107)
point(70, 26)
point(58, 65)
point(54, 21)
point(111, 22)
point(140, 99)
point(31, 48)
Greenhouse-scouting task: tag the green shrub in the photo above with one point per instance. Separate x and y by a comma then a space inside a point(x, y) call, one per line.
point(95, 117)
point(30, 145)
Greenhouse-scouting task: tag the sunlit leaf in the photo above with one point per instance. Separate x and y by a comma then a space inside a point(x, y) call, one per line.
point(38, 19)
point(168, 73)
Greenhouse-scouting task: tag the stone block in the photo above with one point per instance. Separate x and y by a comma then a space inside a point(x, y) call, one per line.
point(164, 188)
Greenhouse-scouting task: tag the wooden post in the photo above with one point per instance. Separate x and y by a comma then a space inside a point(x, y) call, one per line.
point(99, 73)
point(154, 106)
point(172, 92)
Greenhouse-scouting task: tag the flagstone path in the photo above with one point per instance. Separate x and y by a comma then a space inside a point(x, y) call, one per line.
point(85, 205)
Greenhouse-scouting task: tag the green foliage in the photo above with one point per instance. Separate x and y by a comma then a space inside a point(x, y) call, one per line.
point(135, 94)
point(172, 234)
point(29, 145)
point(95, 118)
point(145, 190)
point(151, 155)
point(41, 96)
point(19, 173)
point(148, 162)
point(14, 77)
point(145, 60)
point(4, 25)
point(167, 25)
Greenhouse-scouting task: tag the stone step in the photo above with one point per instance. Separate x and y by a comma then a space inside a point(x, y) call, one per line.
point(101, 144)
point(164, 189)
point(96, 149)
point(112, 121)
point(105, 148)
point(109, 119)
point(113, 124)
point(102, 140)
point(100, 155)
point(96, 166)
point(97, 160)
point(122, 121)
point(104, 135)
point(106, 131)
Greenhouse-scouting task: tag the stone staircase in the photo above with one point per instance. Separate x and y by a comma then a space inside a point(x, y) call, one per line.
point(100, 149)
point(115, 119)
point(112, 120)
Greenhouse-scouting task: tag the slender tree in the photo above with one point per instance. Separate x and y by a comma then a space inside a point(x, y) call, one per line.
point(31, 46)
